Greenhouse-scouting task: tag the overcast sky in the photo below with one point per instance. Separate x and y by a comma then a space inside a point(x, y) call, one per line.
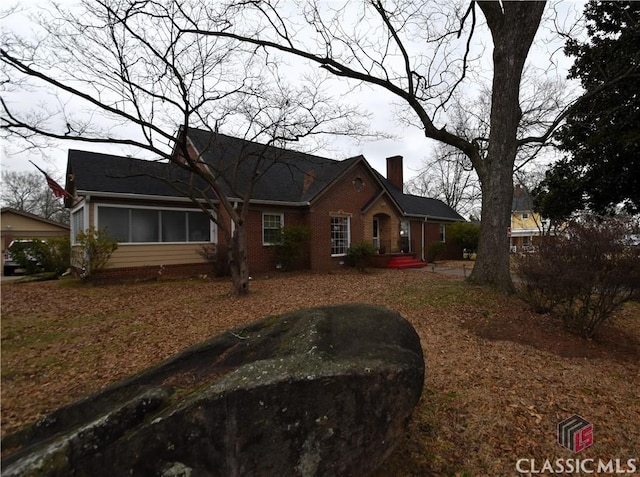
point(408, 142)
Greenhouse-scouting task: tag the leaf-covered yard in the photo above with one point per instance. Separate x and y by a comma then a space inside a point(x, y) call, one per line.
point(499, 377)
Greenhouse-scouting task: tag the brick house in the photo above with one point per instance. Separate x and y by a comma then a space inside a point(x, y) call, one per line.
point(145, 205)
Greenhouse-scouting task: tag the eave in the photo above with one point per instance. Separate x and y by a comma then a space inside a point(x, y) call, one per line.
point(434, 217)
point(131, 196)
point(164, 198)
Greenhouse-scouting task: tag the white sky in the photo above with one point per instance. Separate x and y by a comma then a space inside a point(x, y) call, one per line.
point(409, 142)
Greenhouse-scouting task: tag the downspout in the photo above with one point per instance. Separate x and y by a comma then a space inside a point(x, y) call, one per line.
point(424, 224)
point(87, 214)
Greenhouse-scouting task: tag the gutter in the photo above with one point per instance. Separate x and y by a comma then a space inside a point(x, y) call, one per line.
point(433, 217)
point(164, 198)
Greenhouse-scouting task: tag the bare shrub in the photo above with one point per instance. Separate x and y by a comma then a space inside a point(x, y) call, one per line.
point(217, 256)
point(586, 274)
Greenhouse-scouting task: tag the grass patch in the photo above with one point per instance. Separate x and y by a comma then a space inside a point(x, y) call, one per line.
point(37, 277)
point(71, 282)
point(442, 294)
point(431, 439)
point(15, 341)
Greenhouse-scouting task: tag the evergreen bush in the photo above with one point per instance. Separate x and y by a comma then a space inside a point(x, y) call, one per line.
point(291, 243)
point(435, 251)
point(54, 255)
point(359, 254)
point(23, 252)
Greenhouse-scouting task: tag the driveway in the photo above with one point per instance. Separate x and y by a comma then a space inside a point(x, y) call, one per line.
point(455, 268)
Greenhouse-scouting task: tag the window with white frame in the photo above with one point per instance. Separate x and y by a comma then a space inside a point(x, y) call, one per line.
point(271, 225)
point(77, 224)
point(151, 225)
point(340, 235)
point(443, 234)
point(525, 216)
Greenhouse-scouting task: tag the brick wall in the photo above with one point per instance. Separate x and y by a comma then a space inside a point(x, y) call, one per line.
point(344, 198)
point(262, 258)
point(432, 234)
point(153, 273)
point(416, 238)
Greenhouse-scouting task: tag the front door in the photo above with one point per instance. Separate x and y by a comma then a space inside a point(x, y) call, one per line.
point(405, 236)
point(376, 233)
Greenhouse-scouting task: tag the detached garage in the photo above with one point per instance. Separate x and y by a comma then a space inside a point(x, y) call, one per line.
point(17, 224)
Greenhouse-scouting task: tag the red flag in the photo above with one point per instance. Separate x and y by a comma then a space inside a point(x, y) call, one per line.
point(57, 189)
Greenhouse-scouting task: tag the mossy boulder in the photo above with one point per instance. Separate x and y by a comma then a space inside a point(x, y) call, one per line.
point(317, 392)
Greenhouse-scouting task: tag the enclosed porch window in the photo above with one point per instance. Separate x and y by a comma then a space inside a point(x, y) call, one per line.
point(150, 225)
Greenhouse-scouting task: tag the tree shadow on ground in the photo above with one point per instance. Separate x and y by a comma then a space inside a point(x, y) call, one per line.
point(617, 340)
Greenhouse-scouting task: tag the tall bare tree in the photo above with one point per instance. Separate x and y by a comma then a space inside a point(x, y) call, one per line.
point(421, 53)
point(448, 176)
point(410, 50)
point(134, 74)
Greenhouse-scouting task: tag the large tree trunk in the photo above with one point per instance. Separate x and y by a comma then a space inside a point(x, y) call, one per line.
point(513, 26)
point(238, 259)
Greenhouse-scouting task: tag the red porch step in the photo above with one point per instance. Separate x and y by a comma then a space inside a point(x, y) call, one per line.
point(405, 262)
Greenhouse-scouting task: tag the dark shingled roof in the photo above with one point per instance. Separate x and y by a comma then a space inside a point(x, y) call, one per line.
point(415, 205)
point(522, 200)
point(95, 172)
point(286, 176)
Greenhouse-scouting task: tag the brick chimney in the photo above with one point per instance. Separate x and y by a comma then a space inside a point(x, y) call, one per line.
point(518, 191)
point(394, 171)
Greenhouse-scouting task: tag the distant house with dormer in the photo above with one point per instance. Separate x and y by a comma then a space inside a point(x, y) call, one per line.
point(526, 225)
point(341, 202)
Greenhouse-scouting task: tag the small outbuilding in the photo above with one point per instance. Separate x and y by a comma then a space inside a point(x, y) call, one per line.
point(20, 225)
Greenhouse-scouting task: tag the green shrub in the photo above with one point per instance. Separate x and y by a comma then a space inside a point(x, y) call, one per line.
point(359, 254)
point(23, 252)
point(93, 252)
point(291, 243)
point(464, 234)
point(435, 250)
point(54, 254)
point(585, 275)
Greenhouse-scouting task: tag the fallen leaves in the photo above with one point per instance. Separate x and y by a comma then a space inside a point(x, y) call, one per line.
point(499, 378)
